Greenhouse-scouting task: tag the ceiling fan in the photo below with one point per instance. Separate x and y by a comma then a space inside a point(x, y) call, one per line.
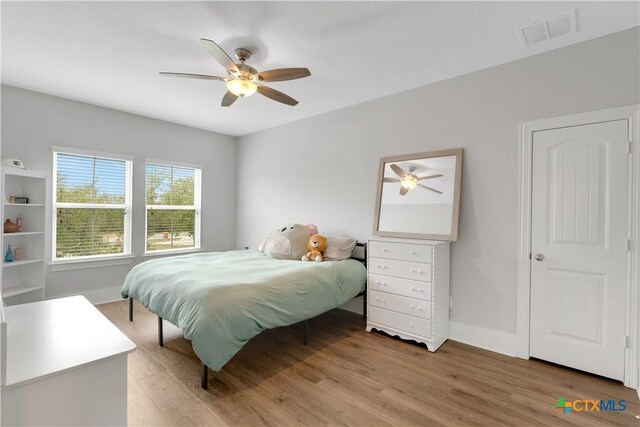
point(244, 80)
point(408, 180)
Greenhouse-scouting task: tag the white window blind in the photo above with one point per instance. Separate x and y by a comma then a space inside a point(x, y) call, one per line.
point(91, 205)
point(173, 206)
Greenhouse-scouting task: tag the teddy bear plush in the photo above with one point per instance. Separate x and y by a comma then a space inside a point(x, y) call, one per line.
point(317, 244)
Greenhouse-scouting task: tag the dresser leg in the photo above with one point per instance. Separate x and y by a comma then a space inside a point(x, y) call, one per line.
point(130, 309)
point(205, 377)
point(160, 335)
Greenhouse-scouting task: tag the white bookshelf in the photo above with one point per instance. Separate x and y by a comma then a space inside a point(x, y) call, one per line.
point(23, 281)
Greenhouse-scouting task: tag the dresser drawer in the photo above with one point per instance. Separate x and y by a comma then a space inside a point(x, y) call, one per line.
point(401, 251)
point(396, 285)
point(407, 270)
point(399, 321)
point(412, 306)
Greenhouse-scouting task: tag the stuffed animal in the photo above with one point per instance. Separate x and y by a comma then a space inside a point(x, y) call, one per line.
point(317, 244)
point(288, 242)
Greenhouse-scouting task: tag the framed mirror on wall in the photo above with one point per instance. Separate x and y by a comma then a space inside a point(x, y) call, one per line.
point(418, 195)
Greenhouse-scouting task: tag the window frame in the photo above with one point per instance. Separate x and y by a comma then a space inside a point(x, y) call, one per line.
point(127, 205)
point(197, 206)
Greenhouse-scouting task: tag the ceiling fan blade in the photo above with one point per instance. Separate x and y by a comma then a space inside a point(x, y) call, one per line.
point(398, 170)
point(429, 188)
point(276, 95)
point(192, 76)
point(403, 190)
point(385, 179)
point(228, 99)
point(282, 74)
point(219, 55)
point(430, 176)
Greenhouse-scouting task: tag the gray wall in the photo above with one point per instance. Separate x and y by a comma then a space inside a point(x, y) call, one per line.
point(324, 169)
point(32, 122)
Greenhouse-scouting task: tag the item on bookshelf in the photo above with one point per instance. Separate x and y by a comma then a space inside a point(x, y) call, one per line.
point(22, 200)
point(19, 223)
point(9, 255)
point(12, 199)
point(18, 253)
point(10, 226)
point(14, 163)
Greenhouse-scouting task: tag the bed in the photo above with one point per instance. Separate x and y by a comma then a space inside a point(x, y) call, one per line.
point(221, 300)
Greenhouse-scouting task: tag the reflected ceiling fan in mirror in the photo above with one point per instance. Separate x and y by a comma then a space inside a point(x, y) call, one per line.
point(408, 180)
point(244, 80)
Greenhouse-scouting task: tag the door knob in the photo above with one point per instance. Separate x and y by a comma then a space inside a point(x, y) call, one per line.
point(539, 257)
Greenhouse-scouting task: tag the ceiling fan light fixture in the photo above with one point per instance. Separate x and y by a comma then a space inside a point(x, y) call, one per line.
point(409, 182)
point(243, 80)
point(242, 87)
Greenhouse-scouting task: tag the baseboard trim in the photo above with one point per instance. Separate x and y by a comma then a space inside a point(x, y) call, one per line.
point(103, 296)
point(98, 296)
point(488, 339)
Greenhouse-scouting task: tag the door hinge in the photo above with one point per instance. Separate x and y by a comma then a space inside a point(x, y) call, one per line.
point(628, 245)
point(629, 144)
point(627, 341)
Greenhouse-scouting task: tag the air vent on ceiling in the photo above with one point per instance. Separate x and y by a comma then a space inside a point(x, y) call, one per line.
point(551, 28)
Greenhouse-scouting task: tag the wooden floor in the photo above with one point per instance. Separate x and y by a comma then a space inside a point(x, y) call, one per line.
point(346, 376)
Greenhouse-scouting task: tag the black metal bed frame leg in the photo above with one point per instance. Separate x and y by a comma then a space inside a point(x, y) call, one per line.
point(205, 377)
point(366, 285)
point(160, 335)
point(130, 309)
point(305, 333)
point(364, 305)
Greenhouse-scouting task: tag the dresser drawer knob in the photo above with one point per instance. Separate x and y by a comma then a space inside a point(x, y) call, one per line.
point(413, 289)
point(412, 325)
point(377, 282)
point(412, 308)
point(413, 252)
point(377, 299)
point(420, 290)
point(381, 266)
point(384, 301)
point(384, 250)
point(419, 308)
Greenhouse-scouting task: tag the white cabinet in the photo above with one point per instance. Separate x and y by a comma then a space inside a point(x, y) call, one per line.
point(408, 289)
point(23, 280)
point(66, 364)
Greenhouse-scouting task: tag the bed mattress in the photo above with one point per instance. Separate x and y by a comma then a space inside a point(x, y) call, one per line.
point(221, 300)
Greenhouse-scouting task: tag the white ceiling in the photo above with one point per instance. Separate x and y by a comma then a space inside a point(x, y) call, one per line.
point(110, 53)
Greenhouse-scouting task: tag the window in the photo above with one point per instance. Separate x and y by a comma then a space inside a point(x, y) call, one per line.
point(173, 206)
point(91, 204)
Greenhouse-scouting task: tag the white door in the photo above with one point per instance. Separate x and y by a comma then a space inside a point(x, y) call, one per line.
point(579, 246)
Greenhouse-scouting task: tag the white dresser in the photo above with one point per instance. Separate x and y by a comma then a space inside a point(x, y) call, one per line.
point(408, 289)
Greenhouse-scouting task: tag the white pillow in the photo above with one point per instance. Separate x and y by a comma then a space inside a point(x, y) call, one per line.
point(338, 248)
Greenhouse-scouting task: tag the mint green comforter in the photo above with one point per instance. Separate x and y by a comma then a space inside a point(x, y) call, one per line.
point(221, 300)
